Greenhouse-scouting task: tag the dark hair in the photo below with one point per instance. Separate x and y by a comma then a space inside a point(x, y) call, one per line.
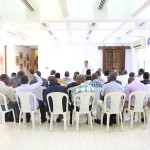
point(24, 79)
point(53, 72)
point(57, 75)
point(67, 74)
point(124, 72)
point(20, 73)
point(141, 70)
point(3, 77)
point(94, 76)
point(86, 61)
point(112, 77)
point(146, 75)
point(88, 72)
point(106, 72)
point(13, 74)
point(38, 73)
point(76, 72)
point(132, 74)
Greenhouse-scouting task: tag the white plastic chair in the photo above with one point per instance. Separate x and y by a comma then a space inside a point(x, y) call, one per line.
point(117, 100)
point(140, 97)
point(84, 107)
point(24, 99)
point(57, 106)
point(6, 110)
point(39, 92)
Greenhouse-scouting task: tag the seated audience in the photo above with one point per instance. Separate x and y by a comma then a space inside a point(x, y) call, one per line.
point(67, 78)
point(88, 74)
point(132, 75)
point(25, 87)
point(139, 77)
point(45, 82)
point(61, 81)
point(16, 79)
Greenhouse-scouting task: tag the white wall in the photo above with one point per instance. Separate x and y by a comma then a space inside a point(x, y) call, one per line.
point(68, 57)
point(12, 52)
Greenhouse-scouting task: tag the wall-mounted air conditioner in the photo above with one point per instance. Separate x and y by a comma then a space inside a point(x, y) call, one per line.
point(141, 43)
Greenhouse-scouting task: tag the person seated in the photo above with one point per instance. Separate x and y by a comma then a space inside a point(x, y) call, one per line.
point(52, 73)
point(54, 86)
point(67, 78)
point(10, 95)
point(13, 74)
point(132, 75)
point(88, 76)
point(139, 77)
point(16, 79)
point(61, 81)
point(45, 82)
point(25, 87)
point(146, 78)
point(111, 86)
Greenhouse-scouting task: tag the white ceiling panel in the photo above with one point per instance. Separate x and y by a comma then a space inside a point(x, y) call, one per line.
point(79, 33)
point(101, 33)
point(79, 26)
point(108, 25)
point(57, 26)
point(119, 33)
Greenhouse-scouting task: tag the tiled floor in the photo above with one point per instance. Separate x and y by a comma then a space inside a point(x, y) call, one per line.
point(98, 139)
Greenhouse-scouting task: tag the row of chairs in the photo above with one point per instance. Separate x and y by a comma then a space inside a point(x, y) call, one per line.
point(84, 106)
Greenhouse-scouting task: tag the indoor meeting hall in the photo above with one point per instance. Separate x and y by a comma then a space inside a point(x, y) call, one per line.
point(75, 74)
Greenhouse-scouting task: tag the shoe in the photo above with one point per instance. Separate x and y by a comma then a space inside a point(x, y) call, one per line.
point(49, 120)
point(28, 121)
point(43, 120)
point(97, 121)
point(142, 119)
point(17, 120)
point(58, 120)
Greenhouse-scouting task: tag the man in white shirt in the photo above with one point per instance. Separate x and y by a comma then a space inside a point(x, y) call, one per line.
point(86, 66)
point(25, 87)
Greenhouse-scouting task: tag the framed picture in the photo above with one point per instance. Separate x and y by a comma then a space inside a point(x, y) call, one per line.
point(21, 66)
point(27, 55)
point(28, 66)
point(24, 62)
point(17, 60)
point(21, 56)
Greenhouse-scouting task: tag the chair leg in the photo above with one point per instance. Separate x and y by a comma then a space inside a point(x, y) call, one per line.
point(14, 116)
point(51, 123)
point(77, 121)
point(90, 117)
point(24, 118)
point(108, 118)
point(32, 116)
point(102, 114)
point(73, 117)
point(3, 119)
point(132, 114)
point(144, 118)
point(139, 117)
point(124, 114)
point(117, 115)
point(68, 118)
point(20, 119)
point(65, 124)
point(121, 121)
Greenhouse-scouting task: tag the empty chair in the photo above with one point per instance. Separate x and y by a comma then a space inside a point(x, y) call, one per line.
point(6, 110)
point(84, 98)
point(140, 97)
point(24, 99)
point(39, 92)
point(58, 104)
point(117, 100)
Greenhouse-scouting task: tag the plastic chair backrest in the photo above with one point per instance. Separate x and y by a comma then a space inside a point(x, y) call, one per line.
point(84, 100)
point(5, 102)
point(39, 92)
point(57, 98)
point(117, 100)
point(148, 88)
point(139, 98)
point(26, 100)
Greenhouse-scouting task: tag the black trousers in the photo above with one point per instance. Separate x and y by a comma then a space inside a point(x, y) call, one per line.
point(42, 111)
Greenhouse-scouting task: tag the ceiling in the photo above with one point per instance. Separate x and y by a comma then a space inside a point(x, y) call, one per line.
point(74, 21)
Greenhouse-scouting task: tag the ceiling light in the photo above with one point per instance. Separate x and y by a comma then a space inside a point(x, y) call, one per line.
point(128, 32)
point(141, 23)
point(90, 32)
point(50, 32)
point(44, 24)
point(27, 5)
point(101, 5)
point(93, 24)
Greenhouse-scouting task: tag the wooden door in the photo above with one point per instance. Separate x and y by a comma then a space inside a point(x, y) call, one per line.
point(114, 57)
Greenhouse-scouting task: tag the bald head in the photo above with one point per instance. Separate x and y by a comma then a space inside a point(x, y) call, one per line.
point(80, 79)
point(52, 79)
